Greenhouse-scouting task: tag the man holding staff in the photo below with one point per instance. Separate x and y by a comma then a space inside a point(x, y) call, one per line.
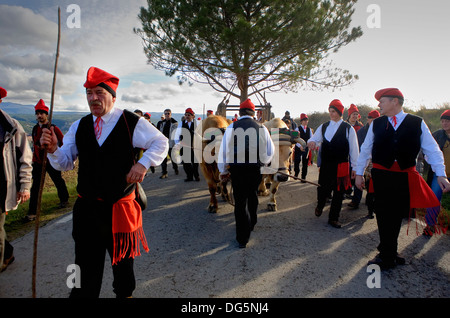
point(106, 216)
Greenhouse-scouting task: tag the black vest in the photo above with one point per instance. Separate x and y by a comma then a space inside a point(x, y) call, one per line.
point(337, 149)
point(305, 135)
point(102, 170)
point(402, 144)
point(246, 143)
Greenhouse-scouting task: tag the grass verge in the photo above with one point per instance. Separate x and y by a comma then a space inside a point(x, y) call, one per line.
point(15, 226)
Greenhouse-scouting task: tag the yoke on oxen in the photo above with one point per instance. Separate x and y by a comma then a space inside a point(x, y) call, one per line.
point(278, 171)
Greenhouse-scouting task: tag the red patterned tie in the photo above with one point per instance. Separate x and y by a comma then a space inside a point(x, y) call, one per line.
point(98, 127)
point(394, 120)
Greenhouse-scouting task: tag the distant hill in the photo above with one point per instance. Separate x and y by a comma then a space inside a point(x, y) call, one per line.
point(25, 115)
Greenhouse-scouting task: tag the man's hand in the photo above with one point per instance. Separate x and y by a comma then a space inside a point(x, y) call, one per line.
point(311, 145)
point(23, 196)
point(49, 139)
point(359, 182)
point(136, 174)
point(444, 184)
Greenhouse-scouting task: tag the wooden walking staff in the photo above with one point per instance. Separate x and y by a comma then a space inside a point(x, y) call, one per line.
point(44, 163)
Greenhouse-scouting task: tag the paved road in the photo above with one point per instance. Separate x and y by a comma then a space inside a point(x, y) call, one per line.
point(291, 253)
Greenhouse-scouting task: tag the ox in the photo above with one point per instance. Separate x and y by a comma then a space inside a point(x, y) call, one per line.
point(284, 143)
point(212, 130)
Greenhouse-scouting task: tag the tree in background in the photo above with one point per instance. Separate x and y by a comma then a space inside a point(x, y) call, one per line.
point(256, 45)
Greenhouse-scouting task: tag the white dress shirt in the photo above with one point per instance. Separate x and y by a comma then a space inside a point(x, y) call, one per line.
point(145, 136)
point(227, 151)
point(427, 143)
point(329, 134)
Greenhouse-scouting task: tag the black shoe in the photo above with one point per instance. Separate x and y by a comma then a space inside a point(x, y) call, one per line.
point(197, 178)
point(353, 206)
point(63, 205)
point(29, 218)
point(384, 264)
point(399, 260)
point(335, 224)
point(188, 179)
point(176, 172)
point(318, 212)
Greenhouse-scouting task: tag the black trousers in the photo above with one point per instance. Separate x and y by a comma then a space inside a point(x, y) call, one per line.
point(301, 157)
point(92, 233)
point(190, 166)
point(328, 185)
point(57, 179)
point(245, 182)
point(391, 206)
point(164, 163)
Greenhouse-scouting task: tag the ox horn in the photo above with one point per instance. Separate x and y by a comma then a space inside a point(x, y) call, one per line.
point(300, 141)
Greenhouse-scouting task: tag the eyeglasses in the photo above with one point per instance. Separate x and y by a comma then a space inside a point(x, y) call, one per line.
point(166, 113)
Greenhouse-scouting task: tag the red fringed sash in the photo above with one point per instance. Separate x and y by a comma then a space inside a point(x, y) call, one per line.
point(343, 176)
point(127, 228)
point(420, 196)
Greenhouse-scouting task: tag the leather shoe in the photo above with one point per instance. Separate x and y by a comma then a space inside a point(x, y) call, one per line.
point(318, 212)
point(384, 264)
point(399, 260)
point(335, 224)
point(353, 206)
point(188, 179)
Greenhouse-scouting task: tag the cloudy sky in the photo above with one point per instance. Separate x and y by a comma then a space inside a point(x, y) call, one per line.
point(405, 45)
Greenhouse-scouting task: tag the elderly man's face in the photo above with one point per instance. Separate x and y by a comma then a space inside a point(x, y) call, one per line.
point(100, 101)
point(388, 106)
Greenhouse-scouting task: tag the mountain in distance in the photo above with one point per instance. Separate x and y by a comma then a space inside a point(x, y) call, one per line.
point(63, 119)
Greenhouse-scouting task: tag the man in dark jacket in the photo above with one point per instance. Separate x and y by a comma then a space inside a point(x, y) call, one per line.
point(41, 111)
point(167, 127)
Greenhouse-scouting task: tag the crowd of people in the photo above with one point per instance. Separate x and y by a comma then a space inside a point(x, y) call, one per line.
point(379, 157)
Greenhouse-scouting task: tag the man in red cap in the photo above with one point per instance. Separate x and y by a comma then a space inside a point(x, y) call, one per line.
point(393, 142)
point(15, 175)
point(357, 193)
point(246, 146)
point(339, 148)
point(106, 215)
point(41, 111)
point(184, 139)
point(302, 156)
point(354, 117)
